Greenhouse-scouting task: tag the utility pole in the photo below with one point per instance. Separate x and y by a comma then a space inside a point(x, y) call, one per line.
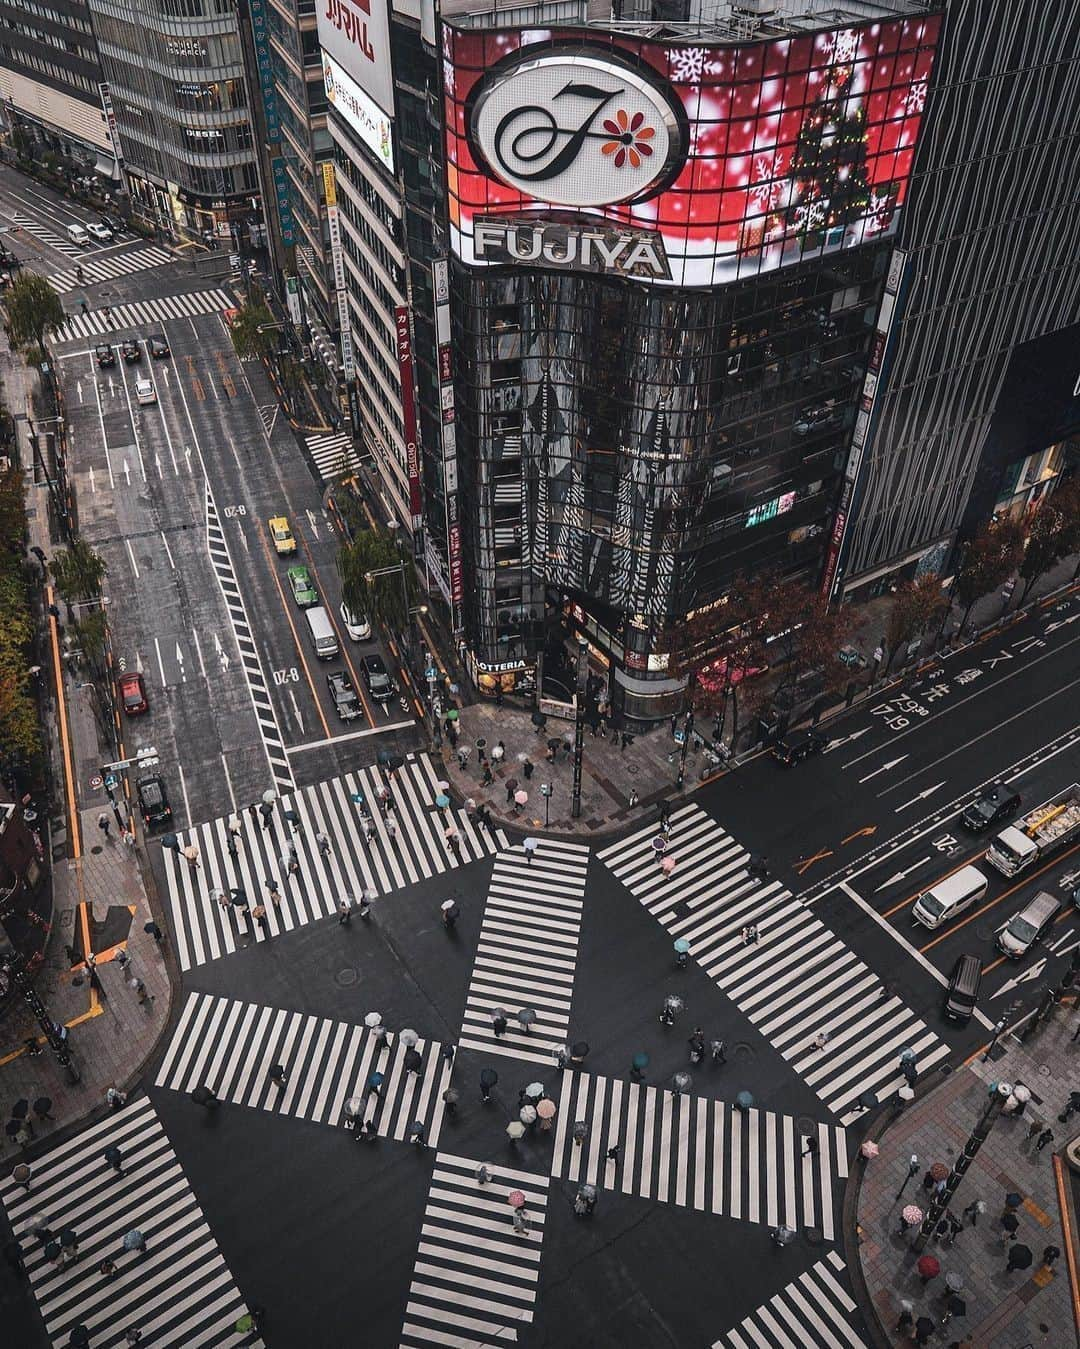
point(15, 975)
point(579, 725)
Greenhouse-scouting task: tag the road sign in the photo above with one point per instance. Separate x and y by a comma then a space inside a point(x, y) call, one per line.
point(111, 779)
point(431, 674)
point(96, 781)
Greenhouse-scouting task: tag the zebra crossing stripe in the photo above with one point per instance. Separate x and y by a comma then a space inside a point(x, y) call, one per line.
point(141, 313)
point(179, 1290)
point(813, 1312)
point(797, 982)
point(527, 952)
point(265, 715)
point(205, 931)
point(96, 268)
point(333, 454)
point(474, 1281)
point(696, 1152)
point(230, 1047)
point(45, 235)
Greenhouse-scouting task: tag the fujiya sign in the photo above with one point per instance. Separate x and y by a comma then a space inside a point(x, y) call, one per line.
point(577, 128)
point(543, 243)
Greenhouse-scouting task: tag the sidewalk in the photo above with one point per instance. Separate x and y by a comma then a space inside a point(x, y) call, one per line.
point(1027, 1307)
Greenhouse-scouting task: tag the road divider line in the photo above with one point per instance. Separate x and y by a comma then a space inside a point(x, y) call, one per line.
point(349, 735)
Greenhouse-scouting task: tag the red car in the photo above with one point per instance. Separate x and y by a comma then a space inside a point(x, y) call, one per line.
point(133, 693)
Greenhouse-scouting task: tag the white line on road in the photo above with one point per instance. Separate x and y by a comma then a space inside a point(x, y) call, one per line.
point(898, 876)
point(160, 663)
point(183, 791)
point(168, 550)
point(228, 782)
point(104, 437)
point(884, 767)
point(134, 423)
point(921, 796)
point(296, 710)
point(198, 650)
point(349, 735)
point(131, 555)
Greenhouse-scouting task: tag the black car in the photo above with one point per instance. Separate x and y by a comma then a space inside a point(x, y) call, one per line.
point(997, 803)
point(346, 703)
point(159, 348)
point(153, 799)
point(131, 351)
point(104, 356)
point(377, 679)
point(799, 745)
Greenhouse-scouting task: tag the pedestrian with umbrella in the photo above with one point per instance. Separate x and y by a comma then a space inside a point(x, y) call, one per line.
point(744, 1101)
point(527, 1115)
point(1010, 1224)
point(488, 1078)
point(514, 1131)
point(782, 1236)
point(673, 1005)
point(114, 1157)
point(954, 1306)
point(203, 1096)
point(585, 1201)
point(450, 1100)
point(135, 1241)
point(929, 1267)
point(579, 1052)
point(374, 1085)
point(525, 1018)
point(21, 1176)
point(79, 1337)
point(450, 912)
point(413, 1061)
point(697, 1045)
point(910, 1216)
point(580, 1132)
point(924, 1328)
point(530, 846)
point(1019, 1257)
point(42, 1107)
point(682, 953)
point(638, 1065)
point(545, 1110)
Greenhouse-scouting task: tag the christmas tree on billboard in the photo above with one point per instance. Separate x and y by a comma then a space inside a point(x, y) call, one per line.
point(828, 167)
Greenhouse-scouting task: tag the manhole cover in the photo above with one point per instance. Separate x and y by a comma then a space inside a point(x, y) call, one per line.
point(742, 1052)
point(345, 978)
point(96, 848)
point(1045, 1070)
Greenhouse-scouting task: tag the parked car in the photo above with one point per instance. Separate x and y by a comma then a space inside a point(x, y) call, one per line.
point(303, 591)
point(153, 799)
point(133, 692)
point(145, 391)
point(997, 803)
point(378, 681)
point(799, 745)
point(131, 351)
point(356, 625)
point(100, 231)
point(104, 355)
point(346, 703)
point(159, 348)
point(281, 535)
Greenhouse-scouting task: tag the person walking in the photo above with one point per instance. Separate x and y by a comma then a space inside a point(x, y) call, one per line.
point(971, 1213)
point(21, 1175)
point(416, 1134)
point(813, 1147)
point(528, 768)
point(323, 843)
point(142, 997)
point(155, 932)
point(498, 1024)
point(1016, 1259)
point(115, 1098)
point(278, 1076)
point(530, 846)
point(103, 823)
point(1047, 1136)
point(906, 1323)
point(1049, 1255)
point(520, 1221)
point(259, 914)
point(612, 1154)
point(344, 909)
point(123, 960)
point(115, 1157)
point(230, 846)
point(697, 1045)
point(483, 1175)
point(718, 1051)
point(391, 829)
point(273, 892)
point(191, 856)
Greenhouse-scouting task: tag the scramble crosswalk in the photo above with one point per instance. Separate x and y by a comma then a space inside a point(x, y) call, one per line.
point(99, 267)
point(230, 1047)
point(699, 1153)
point(177, 1291)
point(474, 1281)
point(814, 1311)
point(333, 454)
point(409, 845)
point(828, 1015)
point(140, 313)
point(527, 950)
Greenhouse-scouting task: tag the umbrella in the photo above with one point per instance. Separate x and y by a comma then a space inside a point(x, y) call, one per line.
point(515, 1129)
point(375, 1080)
point(449, 906)
point(169, 840)
point(357, 798)
point(11, 1128)
point(527, 1114)
point(515, 1199)
point(906, 1094)
point(521, 797)
point(80, 1337)
point(496, 1012)
point(667, 865)
point(659, 843)
point(21, 1173)
point(1019, 1256)
point(869, 1150)
point(924, 1327)
point(442, 800)
point(580, 1130)
point(681, 1081)
point(1013, 1200)
point(383, 757)
point(37, 1223)
point(587, 1191)
point(292, 816)
point(538, 719)
point(452, 714)
point(353, 1106)
point(641, 1060)
point(954, 1282)
point(956, 1306)
point(20, 1109)
point(442, 785)
point(929, 1266)
point(488, 1077)
point(682, 946)
point(269, 796)
point(451, 1096)
point(939, 1171)
point(373, 1019)
point(534, 1090)
point(868, 1099)
point(52, 1250)
point(907, 1055)
point(674, 1003)
point(134, 1240)
point(68, 1237)
point(480, 742)
point(527, 1016)
point(784, 1236)
point(413, 1059)
point(554, 743)
point(580, 1049)
point(743, 1101)
point(1010, 1222)
point(546, 1109)
point(510, 782)
point(408, 1037)
point(202, 1095)
point(497, 753)
point(912, 1214)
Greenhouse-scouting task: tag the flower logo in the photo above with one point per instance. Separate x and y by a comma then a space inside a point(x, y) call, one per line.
point(631, 141)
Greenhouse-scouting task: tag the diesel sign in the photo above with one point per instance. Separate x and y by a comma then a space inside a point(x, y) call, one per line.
point(548, 243)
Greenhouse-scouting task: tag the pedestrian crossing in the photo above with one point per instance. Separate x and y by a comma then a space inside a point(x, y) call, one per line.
point(141, 313)
point(45, 235)
point(527, 950)
point(475, 1277)
point(205, 930)
point(827, 1014)
point(334, 454)
point(699, 1153)
point(98, 267)
point(815, 1311)
point(178, 1291)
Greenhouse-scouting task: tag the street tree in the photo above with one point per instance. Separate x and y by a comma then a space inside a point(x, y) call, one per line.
point(804, 637)
point(988, 560)
point(1045, 546)
point(78, 571)
point(33, 311)
point(1067, 504)
point(251, 335)
point(916, 606)
point(12, 512)
point(387, 597)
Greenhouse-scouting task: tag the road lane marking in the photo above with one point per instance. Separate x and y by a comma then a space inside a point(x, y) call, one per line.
point(183, 790)
point(161, 664)
point(884, 767)
point(101, 419)
point(131, 555)
point(168, 550)
point(921, 796)
point(349, 735)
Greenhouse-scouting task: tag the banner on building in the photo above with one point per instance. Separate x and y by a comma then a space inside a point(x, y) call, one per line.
point(408, 410)
point(337, 259)
point(261, 36)
point(355, 34)
point(283, 197)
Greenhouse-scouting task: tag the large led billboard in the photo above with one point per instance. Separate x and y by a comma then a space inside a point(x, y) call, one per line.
point(676, 164)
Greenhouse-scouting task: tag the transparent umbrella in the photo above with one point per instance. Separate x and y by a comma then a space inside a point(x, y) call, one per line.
point(269, 796)
point(353, 1106)
point(527, 1114)
point(674, 1003)
point(534, 1090)
point(681, 1081)
point(515, 1129)
point(373, 1019)
point(408, 1037)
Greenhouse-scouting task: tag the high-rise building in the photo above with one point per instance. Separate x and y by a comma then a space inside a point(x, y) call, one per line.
point(51, 84)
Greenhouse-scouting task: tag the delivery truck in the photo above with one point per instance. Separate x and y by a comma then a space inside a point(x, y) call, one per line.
point(1038, 833)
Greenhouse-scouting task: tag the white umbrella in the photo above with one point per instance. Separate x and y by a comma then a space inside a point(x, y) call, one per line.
point(535, 1090)
point(515, 1128)
point(269, 795)
point(373, 1019)
point(527, 1114)
point(353, 1106)
point(442, 785)
point(408, 1037)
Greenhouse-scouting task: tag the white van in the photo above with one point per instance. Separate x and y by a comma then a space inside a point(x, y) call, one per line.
point(78, 235)
point(323, 637)
point(949, 897)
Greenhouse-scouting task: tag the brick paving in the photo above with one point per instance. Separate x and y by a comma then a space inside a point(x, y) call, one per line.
point(1028, 1307)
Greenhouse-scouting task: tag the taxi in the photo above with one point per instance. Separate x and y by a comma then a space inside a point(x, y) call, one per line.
point(281, 535)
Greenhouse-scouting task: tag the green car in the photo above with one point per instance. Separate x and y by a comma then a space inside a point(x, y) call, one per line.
point(304, 593)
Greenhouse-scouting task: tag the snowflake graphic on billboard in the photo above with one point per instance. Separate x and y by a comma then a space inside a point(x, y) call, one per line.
point(915, 102)
point(844, 46)
point(767, 191)
point(689, 64)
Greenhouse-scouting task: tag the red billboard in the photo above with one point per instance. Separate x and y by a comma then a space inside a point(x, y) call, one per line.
point(679, 164)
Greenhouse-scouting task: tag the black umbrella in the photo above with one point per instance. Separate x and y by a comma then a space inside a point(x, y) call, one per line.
point(924, 1327)
point(1019, 1257)
point(1010, 1222)
point(579, 1049)
point(239, 898)
point(413, 1060)
point(292, 816)
point(42, 1106)
point(202, 1095)
point(956, 1306)
point(1013, 1200)
point(394, 761)
point(169, 840)
point(538, 719)
point(554, 743)
point(52, 1250)
point(488, 1077)
point(80, 1337)
point(12, 1127)
point(867, 1100)
point(68, 1237)
point(20, 1109)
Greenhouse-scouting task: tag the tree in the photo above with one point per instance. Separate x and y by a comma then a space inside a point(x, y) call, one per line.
point(251, 336)
point(388, 597)
point(988, 561)
point(828, 165)
point(34, 310)
point(1045, 545)
point(78, 571)
point(916, 605)
point(1067, 504)
point(12, 511)
point(804, 636)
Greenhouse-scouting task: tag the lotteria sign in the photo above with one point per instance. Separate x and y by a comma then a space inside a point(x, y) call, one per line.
point(738, 158)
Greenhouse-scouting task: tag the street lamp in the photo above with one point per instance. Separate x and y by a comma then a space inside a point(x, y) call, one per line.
point(15, 976)
point(545, 792)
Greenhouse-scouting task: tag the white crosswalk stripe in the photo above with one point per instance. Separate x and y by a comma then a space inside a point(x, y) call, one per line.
point(141, 313)
point(101, 268)
point(178, 1291)
point(815, 1311)
point(204, 930)
point(45, 235)
point(699, 1153)
point(527, 950)
point(230, 1046)
point(474, 1281)
point(799, 980)
point(334, 454)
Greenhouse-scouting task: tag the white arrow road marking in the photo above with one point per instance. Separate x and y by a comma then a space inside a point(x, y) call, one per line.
point(885, 767)
point(138, 661)
point(180, 662)
point(921, 796)
point(222, 654)
point(899, 876)
point(844, 740)
point(1058, 946)
point(296, 708)
point(112, 386)
point(127, 472)
point(157, 464)
point(1032, 972)
point(313, 523)
point(187, 456)
point(78, 389)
